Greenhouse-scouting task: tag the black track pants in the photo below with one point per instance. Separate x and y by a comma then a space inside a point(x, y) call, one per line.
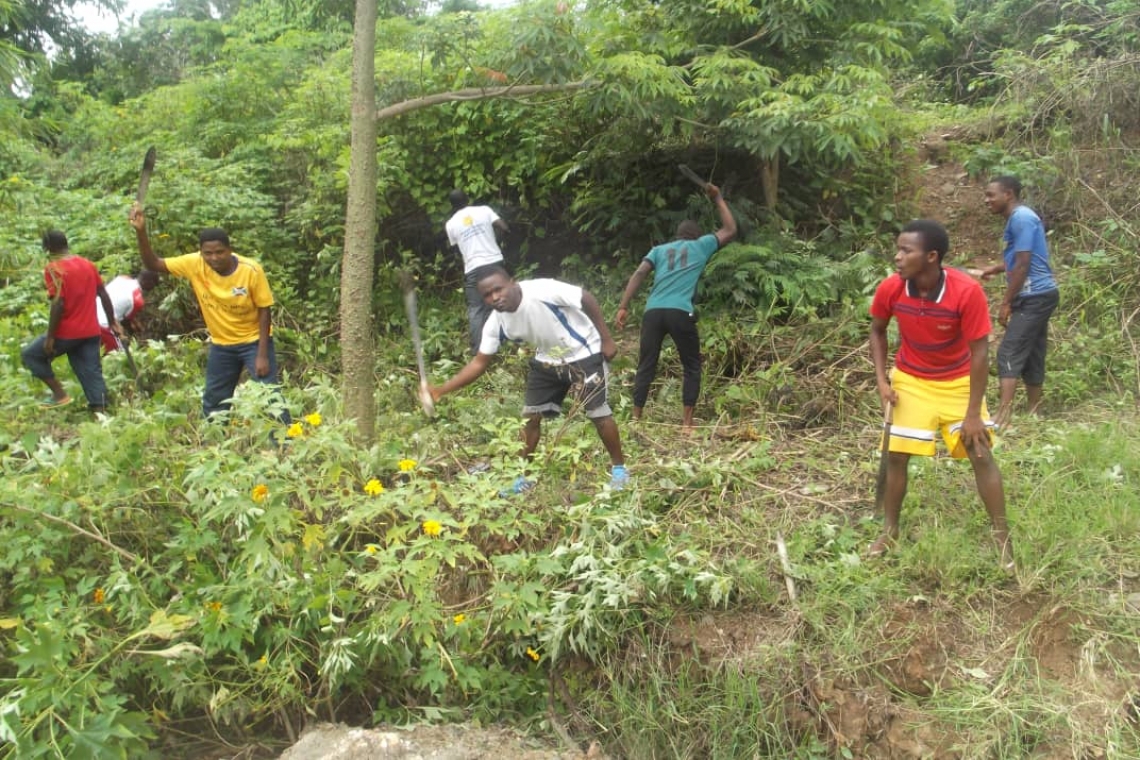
point(681, 326)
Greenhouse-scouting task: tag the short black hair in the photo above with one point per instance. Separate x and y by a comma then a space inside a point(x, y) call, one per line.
point(213, 234)
point(54, 241)
point(688, 230)
point(491, 270)
point(148, 280)
point(458, 198)
point(1008, 182)
point(934, 236)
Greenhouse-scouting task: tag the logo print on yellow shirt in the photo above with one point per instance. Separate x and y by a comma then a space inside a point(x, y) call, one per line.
point(239, 292)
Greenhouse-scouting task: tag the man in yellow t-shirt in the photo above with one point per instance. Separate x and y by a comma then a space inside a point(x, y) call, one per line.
point(235, 300)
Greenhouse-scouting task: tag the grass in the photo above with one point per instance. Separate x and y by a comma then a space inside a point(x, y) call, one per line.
point(931, 652)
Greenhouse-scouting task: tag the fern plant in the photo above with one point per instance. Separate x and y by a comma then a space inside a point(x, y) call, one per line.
point(778, 282)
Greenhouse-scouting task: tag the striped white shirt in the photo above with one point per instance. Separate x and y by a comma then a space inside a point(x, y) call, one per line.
point(550, 318)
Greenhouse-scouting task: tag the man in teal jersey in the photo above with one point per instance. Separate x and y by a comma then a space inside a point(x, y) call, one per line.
point(677, 266)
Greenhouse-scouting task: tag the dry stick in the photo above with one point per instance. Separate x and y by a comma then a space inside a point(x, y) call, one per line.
point(786, 491)
point(1125, 328)
point(1115, 215)
point(782, 551)
point(558, 686)
point(140, 562)
point(82, 532)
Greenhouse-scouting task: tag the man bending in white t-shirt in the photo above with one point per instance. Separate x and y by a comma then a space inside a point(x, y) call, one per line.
point(127, 299)
point(472, 229)
point(573, 347)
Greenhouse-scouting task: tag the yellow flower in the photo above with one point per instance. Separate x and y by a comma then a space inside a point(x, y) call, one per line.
point(313, 419)
point(259, 492)
point(458, 619)
point(406, 465)
point(262, 661)
point(533, 654)
point(295, 430)
point(374, 487)
point(99, 596)
point(432, 528)
point(214, 606)
point(371, 549)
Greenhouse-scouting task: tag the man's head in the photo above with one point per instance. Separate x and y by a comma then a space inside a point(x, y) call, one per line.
point(458, 199)
point(214, 244)
point(499, 290)
point(921, 246)
point(1003, 194)
point(148, 280)
point(54, 241)
point(688, 230)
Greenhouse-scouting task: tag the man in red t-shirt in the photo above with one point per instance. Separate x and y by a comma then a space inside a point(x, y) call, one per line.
point(72, 284)
point(940, 375)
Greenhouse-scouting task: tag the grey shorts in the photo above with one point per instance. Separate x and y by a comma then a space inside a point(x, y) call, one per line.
point(1022, 351)
point(547, 385)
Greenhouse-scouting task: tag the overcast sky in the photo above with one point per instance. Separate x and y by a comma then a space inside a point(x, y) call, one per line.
point(101, 21)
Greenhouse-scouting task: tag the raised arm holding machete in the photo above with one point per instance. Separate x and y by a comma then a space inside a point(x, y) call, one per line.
point(669, 310)
point(121, 338)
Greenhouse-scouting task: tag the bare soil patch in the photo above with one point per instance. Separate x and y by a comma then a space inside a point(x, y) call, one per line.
point(945, 191)
point(449, 742)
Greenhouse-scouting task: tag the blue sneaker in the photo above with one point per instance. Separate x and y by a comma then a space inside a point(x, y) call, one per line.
point(619, 477)
point(521, 485)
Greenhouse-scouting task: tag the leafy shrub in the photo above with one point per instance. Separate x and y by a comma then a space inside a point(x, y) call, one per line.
point(783, 279)
point(248, 572)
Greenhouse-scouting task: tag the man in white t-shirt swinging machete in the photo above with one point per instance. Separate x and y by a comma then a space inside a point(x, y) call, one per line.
point(573, 347)
point(475, 230)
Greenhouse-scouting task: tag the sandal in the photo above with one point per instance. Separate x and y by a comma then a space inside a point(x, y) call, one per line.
point(51, 402)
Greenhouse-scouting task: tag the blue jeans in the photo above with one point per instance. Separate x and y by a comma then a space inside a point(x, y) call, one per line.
point(223, 370)
point(82, 354)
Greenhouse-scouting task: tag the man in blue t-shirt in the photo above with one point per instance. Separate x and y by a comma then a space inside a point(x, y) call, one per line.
point(677, 267)
point(1031, 296)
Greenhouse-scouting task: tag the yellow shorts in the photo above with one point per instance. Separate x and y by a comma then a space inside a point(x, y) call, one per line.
point(927, 406)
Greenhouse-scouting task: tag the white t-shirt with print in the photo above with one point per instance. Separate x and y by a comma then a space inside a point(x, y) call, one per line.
point(472, 229)
point(550, 318)
point(122, 291)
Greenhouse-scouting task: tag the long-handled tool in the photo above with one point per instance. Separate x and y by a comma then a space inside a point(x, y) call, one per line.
point(144, 176)
point(124, 345)
point(693, 176)
point(410, 305)
point(884, 454)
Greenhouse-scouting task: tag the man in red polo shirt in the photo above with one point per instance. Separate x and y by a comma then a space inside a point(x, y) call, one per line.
point(73, 283)
point(940, 374)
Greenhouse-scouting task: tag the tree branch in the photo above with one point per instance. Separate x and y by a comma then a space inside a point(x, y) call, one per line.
point(81, 531)
point(477, 93)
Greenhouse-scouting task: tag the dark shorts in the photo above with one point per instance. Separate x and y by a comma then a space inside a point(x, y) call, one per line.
point(1022, 351)
point(547, 385)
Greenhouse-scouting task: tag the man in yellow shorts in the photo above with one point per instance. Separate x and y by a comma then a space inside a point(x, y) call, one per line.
point(940, 374)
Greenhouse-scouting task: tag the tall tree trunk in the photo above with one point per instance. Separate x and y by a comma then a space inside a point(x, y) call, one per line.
point(770, 180)
point(356, 276)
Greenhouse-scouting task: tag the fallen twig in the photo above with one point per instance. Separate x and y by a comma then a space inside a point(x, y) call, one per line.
point(782, 551)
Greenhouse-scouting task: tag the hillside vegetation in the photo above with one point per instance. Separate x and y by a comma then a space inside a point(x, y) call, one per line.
point(176, 587)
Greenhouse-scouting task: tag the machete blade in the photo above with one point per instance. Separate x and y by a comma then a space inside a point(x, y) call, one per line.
point(144, 178)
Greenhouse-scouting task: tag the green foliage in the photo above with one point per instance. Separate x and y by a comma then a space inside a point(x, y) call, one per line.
point(142, 581)
point(299, 571)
